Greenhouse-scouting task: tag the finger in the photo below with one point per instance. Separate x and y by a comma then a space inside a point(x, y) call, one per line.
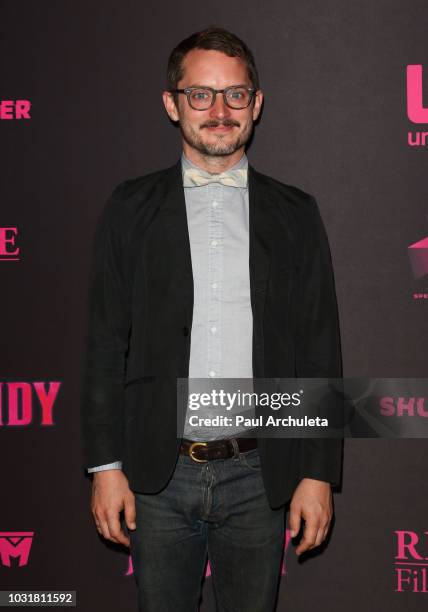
point(97, 517)
point(294, 522)
point(309, 536)
point(102, 524)
point(130, 513)
point(104, 530)
point(319, 537)
point(116, 531)
point(325, 531)
point(325, 524)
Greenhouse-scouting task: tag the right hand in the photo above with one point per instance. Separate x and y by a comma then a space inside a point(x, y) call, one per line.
point(110, 495)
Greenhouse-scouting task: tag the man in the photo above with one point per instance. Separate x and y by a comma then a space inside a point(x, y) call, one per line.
point(207, 269)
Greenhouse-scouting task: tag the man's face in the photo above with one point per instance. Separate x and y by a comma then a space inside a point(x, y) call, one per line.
point(219, 130)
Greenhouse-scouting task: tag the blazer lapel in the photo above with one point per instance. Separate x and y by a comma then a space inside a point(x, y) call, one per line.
point(260, 218)
point(174, 214)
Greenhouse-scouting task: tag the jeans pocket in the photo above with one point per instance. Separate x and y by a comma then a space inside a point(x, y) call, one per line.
point(251, 460)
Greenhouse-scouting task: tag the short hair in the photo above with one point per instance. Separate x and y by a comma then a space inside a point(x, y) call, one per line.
point(212, 38)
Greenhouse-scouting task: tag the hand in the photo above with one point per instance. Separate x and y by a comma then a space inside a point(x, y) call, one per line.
point(313, 501)
point(110, 495)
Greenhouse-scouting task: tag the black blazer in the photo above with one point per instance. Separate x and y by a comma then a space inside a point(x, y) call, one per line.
point(139, 321)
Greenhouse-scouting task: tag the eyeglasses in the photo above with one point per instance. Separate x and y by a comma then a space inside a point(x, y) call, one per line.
point(203, 98)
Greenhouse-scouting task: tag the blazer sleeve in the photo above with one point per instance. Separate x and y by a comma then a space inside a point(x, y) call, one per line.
point(318, 350)
point(108, 319)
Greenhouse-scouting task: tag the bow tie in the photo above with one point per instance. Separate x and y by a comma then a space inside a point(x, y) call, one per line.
point(193, 177)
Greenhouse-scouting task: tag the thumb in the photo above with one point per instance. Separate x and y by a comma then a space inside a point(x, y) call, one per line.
point(294, 522)
point(130, 514)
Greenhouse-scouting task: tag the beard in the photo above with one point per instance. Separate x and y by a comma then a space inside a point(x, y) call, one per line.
point(222, 145)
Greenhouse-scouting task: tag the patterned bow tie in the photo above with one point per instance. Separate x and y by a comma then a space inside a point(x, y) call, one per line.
point(193, 177)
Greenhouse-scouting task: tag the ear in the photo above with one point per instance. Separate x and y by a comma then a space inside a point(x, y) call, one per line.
point(257, 106)
point(170, 106)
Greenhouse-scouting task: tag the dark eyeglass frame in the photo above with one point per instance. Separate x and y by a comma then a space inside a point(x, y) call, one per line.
point(188, 91)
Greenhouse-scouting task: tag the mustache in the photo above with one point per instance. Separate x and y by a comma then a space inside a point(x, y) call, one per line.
point(225, 122)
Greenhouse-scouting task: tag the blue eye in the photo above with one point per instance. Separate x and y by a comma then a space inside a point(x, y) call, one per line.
point(200, 95)
point(238, 94)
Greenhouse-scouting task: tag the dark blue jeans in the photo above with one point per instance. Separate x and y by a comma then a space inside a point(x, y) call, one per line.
point(220, 509)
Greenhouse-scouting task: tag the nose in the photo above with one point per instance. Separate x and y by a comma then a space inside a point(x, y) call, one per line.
point(219, 109)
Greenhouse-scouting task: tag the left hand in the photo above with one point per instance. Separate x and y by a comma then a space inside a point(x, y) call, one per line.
point(313, 501)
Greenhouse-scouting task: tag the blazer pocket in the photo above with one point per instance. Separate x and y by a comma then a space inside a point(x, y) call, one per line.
point(140, 380)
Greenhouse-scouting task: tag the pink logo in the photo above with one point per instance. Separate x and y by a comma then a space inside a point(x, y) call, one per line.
point(401, 406)
point(415, 108)
point(418, 255)
point(15, 109)
point(17, 405)
point(287, 541)
point(411, 562)
point(15, 544)
point(8, 249)
point(416, 111)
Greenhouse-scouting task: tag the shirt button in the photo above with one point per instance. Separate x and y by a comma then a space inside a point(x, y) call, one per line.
point(214, 243)
point(211, 373)
point(213, 330)
point(214, 286)
point(215, 204)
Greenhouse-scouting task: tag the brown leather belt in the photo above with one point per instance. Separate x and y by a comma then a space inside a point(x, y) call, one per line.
point(215, 449)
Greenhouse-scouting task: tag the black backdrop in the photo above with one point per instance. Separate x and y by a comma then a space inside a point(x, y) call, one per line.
point(334, 123)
